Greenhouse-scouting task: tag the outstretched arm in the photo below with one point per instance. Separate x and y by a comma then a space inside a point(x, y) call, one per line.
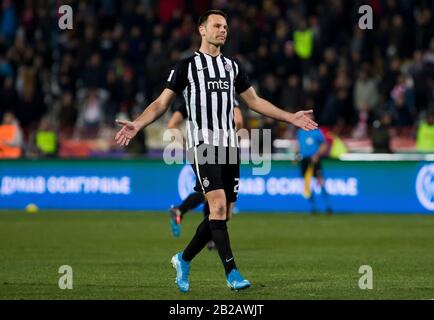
point(262, 106)
point(154, 111)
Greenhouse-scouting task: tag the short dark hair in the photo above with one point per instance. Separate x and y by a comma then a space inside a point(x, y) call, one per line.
point(204, 17)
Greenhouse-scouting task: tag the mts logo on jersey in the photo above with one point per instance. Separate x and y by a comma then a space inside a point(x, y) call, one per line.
point(217, 85)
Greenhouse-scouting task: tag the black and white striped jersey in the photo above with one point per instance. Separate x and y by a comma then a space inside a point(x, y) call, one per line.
point(181, 107)
point(208, 85)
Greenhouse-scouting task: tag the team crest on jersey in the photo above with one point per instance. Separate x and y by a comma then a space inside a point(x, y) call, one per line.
point(205, 182)
point(228, 67)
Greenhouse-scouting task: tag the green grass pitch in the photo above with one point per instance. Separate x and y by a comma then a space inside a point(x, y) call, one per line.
point(126, 255)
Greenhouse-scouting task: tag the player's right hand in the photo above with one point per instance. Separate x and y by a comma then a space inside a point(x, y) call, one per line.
point(126, 133)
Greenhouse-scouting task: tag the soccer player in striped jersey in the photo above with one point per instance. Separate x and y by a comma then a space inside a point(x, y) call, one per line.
point(208, 80)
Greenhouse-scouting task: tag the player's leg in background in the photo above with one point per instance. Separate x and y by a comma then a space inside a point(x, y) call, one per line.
point(193, 200)
point(176, 214)
point(319, 177)
point(307, 171)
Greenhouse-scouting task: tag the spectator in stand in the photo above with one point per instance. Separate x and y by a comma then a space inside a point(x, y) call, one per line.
point(112, 106)
point(31, 106)
point(93, 74)
point(46, 139)
point(292, 95)
point(381, 133)
point(156, 63)
point(366, 99)
point(390, 76)
point(303, 41)
point(334, 107)
point(139, 146)
point(8, 21)
point(11, 137)
point(6, 70)
point(91, 113)
point(418, 71)
point(270, 89)
point(67, 115)
point(425, 133)
point(67, 74)
point(123, 46)
point(402, 111)
point(8, 96)
point(127, 89)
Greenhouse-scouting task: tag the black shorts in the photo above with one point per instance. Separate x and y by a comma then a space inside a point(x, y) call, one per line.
point(316, 167)
point(217, 168)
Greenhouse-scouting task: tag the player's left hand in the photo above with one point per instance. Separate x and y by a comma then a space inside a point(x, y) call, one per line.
point(301, 119)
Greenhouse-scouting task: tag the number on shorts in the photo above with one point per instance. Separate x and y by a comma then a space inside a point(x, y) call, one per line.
point(237, 180)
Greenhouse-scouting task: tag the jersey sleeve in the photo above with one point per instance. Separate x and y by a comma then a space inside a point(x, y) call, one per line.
point(242, 81)
point(177, 78)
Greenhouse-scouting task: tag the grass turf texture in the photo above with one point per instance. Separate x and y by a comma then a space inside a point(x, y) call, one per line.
point(126, 255)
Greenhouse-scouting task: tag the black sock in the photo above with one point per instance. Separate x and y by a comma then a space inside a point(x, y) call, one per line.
point(191, 202)
point(220, 236)
point(200, 239)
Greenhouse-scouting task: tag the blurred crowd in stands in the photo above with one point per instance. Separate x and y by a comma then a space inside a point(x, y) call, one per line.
point(70, 85)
